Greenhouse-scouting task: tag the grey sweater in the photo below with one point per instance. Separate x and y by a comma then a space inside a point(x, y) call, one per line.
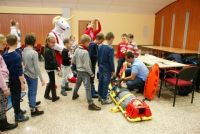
point(82, 61)
point(30, 61)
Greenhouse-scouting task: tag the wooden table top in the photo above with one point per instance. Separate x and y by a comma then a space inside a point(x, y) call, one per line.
point(163, 63)
point(172, 49)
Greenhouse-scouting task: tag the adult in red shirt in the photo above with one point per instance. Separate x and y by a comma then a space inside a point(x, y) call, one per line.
point(91, 31)
point(121, 50)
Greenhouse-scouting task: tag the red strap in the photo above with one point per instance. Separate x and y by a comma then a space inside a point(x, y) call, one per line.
point(56, 37)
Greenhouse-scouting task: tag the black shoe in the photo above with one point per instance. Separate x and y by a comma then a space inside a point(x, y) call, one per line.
point(22, 111)
point(95, 96)
point(75, 96)
point(38, 103)
point(68, 89)
point(21, 118)
point(93, 107)
point(36, 112)
point(55, 99)
point(48, 97)
point(5, 126)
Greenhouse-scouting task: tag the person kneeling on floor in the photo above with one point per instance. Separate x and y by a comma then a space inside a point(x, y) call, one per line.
point(84, 68)
point(136, 75)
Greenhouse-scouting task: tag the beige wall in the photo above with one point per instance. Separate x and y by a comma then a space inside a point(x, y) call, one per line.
point(30, 10)
point(141, 25)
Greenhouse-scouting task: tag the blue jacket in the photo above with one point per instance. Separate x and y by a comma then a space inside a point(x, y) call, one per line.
point(13, 61)
point(93, 52)
point(106, 58)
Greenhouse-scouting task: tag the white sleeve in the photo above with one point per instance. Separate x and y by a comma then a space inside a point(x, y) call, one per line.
point(57, 46)
point(14, 32)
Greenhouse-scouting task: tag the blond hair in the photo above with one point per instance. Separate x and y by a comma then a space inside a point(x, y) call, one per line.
point(48, 38)
point(2, 39)
point(85, 38)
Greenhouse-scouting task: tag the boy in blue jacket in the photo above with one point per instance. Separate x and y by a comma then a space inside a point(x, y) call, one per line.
point(106, 67)
point(93, 52)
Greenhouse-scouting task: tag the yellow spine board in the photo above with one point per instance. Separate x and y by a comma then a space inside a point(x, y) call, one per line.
point(118, 108)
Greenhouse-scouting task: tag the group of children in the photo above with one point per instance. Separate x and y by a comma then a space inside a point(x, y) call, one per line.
point(84, 57)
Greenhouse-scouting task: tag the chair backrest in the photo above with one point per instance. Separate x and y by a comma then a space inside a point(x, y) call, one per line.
point(189, 74)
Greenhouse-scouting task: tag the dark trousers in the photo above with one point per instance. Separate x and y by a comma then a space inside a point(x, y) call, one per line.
point(93, 92)
point(104, 80)
point(15, 90)
point(119, 66)
point(51, 85)
point(137, 83)
point(3, 105)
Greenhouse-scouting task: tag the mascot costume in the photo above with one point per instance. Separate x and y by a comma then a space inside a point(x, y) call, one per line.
point(60, 25)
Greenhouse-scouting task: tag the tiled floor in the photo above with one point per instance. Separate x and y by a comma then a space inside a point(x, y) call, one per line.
point(72, 117)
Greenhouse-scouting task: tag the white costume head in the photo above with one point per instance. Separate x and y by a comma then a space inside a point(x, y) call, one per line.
point(60, 23)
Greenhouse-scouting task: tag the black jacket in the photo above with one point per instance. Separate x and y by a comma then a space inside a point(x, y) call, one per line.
point(50, 59)
point(66, 60)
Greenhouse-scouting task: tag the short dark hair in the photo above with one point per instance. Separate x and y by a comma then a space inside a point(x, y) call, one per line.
point(30, 39)
point(124, 35)
point(12, 22)
point(100, 36)
point(109, 36)
point(129, 55)
point(66, 41)
point(11, 39)
point(131, 36)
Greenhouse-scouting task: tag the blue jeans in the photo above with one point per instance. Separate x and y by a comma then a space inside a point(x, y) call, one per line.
point(32, 90)
point(104, 81)
point(138, 83)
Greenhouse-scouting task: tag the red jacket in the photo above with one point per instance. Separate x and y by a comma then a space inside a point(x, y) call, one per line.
point(92, 33)
point(121, 49)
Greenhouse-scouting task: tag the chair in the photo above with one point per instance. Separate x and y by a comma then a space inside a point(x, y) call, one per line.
point(184, 77)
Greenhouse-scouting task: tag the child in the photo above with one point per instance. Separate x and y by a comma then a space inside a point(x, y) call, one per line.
point(121, 50)
point(132, 46)
point(4, 91)
point(66, 69)
point(82, 61)
point(90, 29)
point(16, 78)
point(93, 50)
point(51, 66)
point(74, 43)
point(106, 67)
point(14, 30)
point(31, 72)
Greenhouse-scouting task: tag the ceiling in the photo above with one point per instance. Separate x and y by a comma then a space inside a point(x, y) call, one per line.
point(139, 6)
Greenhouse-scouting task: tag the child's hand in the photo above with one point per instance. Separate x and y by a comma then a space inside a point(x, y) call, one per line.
point(43, 83)
point(6, 92)
point(23, 86)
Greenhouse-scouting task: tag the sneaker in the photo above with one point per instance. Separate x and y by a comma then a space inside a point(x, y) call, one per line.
point(93, 107)
point(75, 96)
point(36, 112)
point(63, 91)
point(106, 101)
point(22, 111)
point(55, 99)
point(21, 118)
point(48, 97)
